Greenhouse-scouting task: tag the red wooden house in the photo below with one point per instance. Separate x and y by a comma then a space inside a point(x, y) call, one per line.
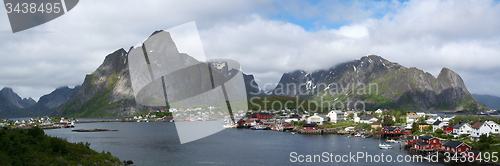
point(412, 139)
point(434, 143)
point(422, 146)
point(310, 126)
point(447, 129)
point(455, 147)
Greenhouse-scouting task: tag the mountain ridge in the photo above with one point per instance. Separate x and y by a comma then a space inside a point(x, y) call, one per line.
point(397, 86)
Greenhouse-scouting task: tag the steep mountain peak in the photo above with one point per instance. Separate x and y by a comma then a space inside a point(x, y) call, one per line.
point(113, 62)
point(11, 97)
point(448, 78)
point(155, 32)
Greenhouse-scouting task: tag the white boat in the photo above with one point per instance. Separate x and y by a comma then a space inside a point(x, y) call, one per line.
point(229, 124)
point(357, 135)
point(259, 127)
point(391, 141)
point(384, 146)
point(294, 132)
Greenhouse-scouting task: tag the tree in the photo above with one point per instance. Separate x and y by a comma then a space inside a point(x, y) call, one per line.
point(429, 128)
point(350, 116)
point(387, 120)
point(439, 131)
point(414, 127)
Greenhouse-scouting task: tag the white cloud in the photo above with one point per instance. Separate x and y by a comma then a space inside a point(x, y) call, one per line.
point(461, 35)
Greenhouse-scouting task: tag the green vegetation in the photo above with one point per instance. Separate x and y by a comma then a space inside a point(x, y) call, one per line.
point(33, 147)
point(378, 100)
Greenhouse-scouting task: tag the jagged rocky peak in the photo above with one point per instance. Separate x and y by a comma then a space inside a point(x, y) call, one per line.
point(113, 62)
point(13, 98)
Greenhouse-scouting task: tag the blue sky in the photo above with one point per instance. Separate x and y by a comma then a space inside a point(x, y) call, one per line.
point(268, 38)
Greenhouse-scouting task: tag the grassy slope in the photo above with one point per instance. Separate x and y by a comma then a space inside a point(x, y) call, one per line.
point(33, 147)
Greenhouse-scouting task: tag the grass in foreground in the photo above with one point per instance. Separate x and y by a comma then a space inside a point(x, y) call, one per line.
point(33, 147)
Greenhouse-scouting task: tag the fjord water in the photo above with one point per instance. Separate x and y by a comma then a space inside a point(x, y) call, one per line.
point(156, 143)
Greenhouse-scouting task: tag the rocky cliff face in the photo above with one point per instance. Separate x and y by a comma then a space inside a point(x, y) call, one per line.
point(108, 91)
point(105, 92)
point(380, 84)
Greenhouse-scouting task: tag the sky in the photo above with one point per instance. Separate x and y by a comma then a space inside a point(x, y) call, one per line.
point(268, 38)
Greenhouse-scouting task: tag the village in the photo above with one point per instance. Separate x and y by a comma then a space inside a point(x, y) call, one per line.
point(417, 132)
point(472, 138)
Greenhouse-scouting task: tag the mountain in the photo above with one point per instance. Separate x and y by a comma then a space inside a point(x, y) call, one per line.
point(13, 99)
point(490, 101)
point(107, 92)
point(11, 105)
point(379, 83)
point(50, 102)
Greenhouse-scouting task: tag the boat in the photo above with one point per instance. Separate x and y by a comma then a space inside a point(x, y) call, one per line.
point(259, 127)
point(390, 141)
point(294, 132)
point(357, 135)
point(384, 146)
point(363, 136)
point(229, 124)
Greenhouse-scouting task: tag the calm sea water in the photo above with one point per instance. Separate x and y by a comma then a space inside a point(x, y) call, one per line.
point(157, 144)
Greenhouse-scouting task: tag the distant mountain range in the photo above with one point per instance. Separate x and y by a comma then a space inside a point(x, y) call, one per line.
point(11, 105)
point(490, 101)
point(380, 83)
point(372, 79)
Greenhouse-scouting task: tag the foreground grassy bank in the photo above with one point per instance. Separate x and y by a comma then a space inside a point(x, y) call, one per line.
point(33, 147)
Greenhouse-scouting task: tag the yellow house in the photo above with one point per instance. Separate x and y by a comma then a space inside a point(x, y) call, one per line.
point(376, 124)
point(423, 126)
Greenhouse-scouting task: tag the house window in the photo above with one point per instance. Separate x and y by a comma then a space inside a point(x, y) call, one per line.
point(459, 150)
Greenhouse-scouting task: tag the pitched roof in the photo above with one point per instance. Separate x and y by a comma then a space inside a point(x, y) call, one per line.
point(427, 137)
point(477, 125)
point(460, 124)
point(422, 143)
point(366, 118)
point(376, 123)
point(436, 123)
point(310, 125)
point(452, 144)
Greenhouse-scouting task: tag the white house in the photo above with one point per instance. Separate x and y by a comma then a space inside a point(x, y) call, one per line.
point(350, 112)
point(478, 129)
point(379, 111)
point(367, 120)
point(437, 125)
point(318, 119)
point(462, 128)
point(446, 121)
point(336, 116)
point(433, 119)
point(495, 128)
